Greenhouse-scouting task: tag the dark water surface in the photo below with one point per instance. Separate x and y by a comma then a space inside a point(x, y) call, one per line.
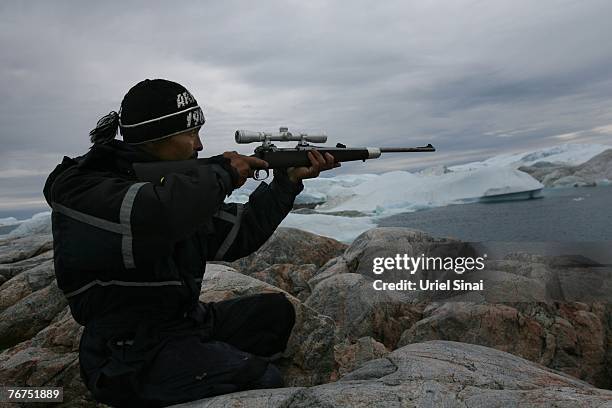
point(562, 215)
point(575, 221)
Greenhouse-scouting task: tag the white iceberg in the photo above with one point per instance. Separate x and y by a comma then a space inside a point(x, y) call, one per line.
point(40, 223)
point(4, 222)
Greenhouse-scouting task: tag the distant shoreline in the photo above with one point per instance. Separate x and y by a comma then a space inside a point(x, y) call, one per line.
point(23, 214)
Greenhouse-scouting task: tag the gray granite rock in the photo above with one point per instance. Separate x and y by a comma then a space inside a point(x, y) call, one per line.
point(433, 374)
point(29, 315)
point(389, 241)
point(596, 171)
point(291, 278)
point(18, 249)
point(10, 270)
point(342, 325)
point(290, 246)
point(26, 283)
point(281, 397)
point(49, 359)
point(334, 266)
point(570, 337)
point(350, 356)
point(360, 311)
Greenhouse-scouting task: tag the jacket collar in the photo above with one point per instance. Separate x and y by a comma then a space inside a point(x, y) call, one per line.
point(115, 154)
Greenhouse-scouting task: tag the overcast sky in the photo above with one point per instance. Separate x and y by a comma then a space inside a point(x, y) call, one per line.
point(474, 78)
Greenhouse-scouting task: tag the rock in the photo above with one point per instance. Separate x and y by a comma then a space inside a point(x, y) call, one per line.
point(498, 326)
point(545, 171)
point(542, 332)
point(26, 283)
point(568, 181)
point(582, 340)
point(435, 373)
point(564, 336)
point(49, 359)
point(387, 242)
point(530, 324)
point(569, 336)
point(290, 246)
point(309, 357)
point(352, 356)
point(64, 333)
point(520, 278)
point(470, 375)
point(529, 278)
point(18, 249)
point(360, 311)
point(334, 266)
point(31, 314)
point(597, 170)
point(10, 270)
point(291, 278)
point(280, 397)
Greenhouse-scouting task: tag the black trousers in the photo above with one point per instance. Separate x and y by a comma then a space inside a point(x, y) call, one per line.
point(223, 347)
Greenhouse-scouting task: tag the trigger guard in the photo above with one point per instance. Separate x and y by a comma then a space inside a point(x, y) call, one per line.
point(256, 174)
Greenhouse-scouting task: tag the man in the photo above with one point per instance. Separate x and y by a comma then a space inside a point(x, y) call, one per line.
point(134, 223)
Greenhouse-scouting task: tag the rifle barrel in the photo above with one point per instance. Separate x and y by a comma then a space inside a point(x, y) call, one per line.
point(428, 148)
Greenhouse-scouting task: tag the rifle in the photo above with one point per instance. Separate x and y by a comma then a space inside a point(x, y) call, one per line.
point(280, 158)
point(277, 158)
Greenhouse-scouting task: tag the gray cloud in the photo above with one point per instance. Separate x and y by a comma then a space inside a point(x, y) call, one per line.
point(473, 77)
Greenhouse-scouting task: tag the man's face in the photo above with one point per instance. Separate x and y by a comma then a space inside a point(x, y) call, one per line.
point(183, 146)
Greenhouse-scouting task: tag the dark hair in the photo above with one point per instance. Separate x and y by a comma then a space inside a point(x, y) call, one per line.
point(106, 129)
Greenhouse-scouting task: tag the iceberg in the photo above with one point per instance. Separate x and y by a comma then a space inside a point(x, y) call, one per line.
point(5, 222)
point(568, 153)
point(40, 223)
point(343, 229)
point(401, 191)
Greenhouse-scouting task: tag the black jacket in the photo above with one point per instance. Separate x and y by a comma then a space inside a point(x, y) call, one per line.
point(127, 248)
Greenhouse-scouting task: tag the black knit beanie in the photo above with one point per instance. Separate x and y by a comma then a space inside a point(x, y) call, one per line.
point(153, 109)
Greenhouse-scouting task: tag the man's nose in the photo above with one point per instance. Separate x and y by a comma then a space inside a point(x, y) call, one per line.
point(198, 144)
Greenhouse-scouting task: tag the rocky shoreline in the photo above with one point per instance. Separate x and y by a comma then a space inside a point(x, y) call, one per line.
point(594, 172)
point(352, 345)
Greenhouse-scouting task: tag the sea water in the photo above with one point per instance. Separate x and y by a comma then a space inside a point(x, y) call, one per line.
point(567, 221)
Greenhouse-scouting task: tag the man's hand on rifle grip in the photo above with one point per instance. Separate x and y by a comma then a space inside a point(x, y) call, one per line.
point(245, 165)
